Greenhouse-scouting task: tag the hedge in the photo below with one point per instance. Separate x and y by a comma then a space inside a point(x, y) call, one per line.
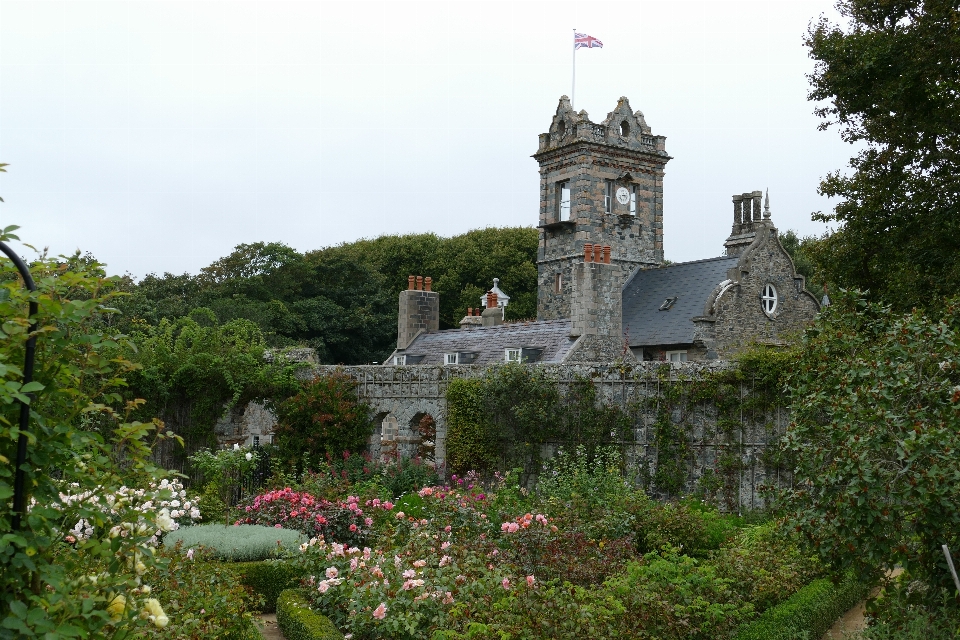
point(811, 610)
point(268, 578)
point(297, 621)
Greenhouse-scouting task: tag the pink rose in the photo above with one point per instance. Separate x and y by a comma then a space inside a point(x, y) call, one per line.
point(530, 581)
point(380, 612)
point(506, 583)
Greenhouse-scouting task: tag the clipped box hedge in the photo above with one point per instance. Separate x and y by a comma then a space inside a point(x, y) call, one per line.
point(297, 621)
point(812, 610)
point(268, 578)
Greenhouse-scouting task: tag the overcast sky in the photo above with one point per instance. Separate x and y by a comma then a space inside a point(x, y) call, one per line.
point(159, 135)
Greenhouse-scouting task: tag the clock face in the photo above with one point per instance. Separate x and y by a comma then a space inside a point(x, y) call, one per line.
point(623, 196)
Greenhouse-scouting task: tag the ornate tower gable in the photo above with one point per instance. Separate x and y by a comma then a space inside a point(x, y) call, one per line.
point(601, 184)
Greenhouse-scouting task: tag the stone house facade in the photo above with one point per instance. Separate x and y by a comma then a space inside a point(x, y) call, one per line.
point(603, 291)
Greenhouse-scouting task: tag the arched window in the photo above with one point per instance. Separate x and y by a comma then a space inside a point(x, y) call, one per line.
point(769, 299)
point(624, 128)
point(561, 128)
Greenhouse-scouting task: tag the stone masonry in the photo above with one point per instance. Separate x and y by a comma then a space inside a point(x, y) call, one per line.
point(419, 311)
point(592, 161)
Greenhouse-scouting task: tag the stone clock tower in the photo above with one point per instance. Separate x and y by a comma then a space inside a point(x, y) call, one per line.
point(600, 185)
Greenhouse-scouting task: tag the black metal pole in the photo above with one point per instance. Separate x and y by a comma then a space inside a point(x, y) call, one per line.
point(19, 494)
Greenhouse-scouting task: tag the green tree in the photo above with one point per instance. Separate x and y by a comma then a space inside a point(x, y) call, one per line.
point(875, 437)
point(890, 80)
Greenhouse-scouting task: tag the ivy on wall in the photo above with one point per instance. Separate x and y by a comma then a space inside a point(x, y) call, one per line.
point(502, 420)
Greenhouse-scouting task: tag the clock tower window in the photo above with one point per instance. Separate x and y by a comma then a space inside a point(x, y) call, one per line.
point(633, 200)
point(563, 201)
point(608, 197)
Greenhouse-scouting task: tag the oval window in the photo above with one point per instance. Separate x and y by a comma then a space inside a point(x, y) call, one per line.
point(769, 299)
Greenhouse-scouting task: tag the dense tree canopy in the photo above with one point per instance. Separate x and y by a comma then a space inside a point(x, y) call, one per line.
point(890, 79)
point(341, 300)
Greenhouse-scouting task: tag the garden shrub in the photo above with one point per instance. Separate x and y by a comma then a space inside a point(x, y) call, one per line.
point(324, 418)
point(670, 596)
point(905, 610)
point(343, 521)
point(766, 565)
point(237, 543)
point(875, 436)
point(297, 621)
point(267, 578)
point(83, 440)
point(811, 610)
point(202, 600)
point(470, 446)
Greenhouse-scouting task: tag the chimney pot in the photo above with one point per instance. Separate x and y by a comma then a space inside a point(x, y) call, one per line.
point(419, 283)
point(606, 254)
point(588, 253)
point(410, 280)
point(597, 253)
point(427, 283)
point(469, 311)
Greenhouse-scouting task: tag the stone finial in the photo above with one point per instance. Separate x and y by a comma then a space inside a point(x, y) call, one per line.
point(766, 206)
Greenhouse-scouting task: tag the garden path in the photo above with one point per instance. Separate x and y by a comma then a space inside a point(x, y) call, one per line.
point(854, 620)
point(270, 631)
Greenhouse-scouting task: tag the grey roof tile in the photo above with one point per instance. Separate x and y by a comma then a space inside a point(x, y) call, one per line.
point(690, 282)
point(553, 336)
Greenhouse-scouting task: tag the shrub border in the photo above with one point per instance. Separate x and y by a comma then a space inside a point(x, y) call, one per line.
point(812, 609)
point(297, 621)
point(267, 578)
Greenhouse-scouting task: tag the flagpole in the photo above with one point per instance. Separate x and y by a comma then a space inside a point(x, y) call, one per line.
point(573, 89)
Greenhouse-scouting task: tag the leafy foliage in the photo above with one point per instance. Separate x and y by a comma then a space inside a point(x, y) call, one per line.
point(889, 81)
point(875, 437)
point(324, 418)
point(341, 300)
point(45, 581)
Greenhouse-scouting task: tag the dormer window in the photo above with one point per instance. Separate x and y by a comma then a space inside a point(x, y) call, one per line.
point(563, 201)
point(451, 358)
point(400, 360)
point(669, 302)
point(511, 355)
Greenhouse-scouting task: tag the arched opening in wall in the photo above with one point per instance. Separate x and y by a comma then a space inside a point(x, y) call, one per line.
point(424, 428)
point(624, 128)
point(386, 429)
point(561, 128)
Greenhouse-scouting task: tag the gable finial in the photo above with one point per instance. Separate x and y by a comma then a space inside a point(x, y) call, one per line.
point(766, 206)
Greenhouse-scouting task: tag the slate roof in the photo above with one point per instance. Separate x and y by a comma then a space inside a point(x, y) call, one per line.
point(553, 336)
point(690, 282)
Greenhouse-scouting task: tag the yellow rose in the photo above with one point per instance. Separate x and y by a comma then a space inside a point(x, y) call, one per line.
point(116, 607)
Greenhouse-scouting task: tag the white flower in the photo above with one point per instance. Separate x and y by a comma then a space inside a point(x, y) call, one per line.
point(164, 521)
point(236, 447)
point(249, 456)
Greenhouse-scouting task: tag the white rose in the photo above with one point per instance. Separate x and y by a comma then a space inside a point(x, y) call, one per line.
point(249, 456)
point(164, 521)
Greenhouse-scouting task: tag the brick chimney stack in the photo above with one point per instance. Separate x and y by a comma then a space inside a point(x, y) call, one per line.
point(419, 310)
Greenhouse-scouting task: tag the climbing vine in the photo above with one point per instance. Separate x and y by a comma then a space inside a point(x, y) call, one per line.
point(504, 419)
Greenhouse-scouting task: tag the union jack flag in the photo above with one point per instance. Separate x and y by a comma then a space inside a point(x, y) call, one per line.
point(583, 40)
